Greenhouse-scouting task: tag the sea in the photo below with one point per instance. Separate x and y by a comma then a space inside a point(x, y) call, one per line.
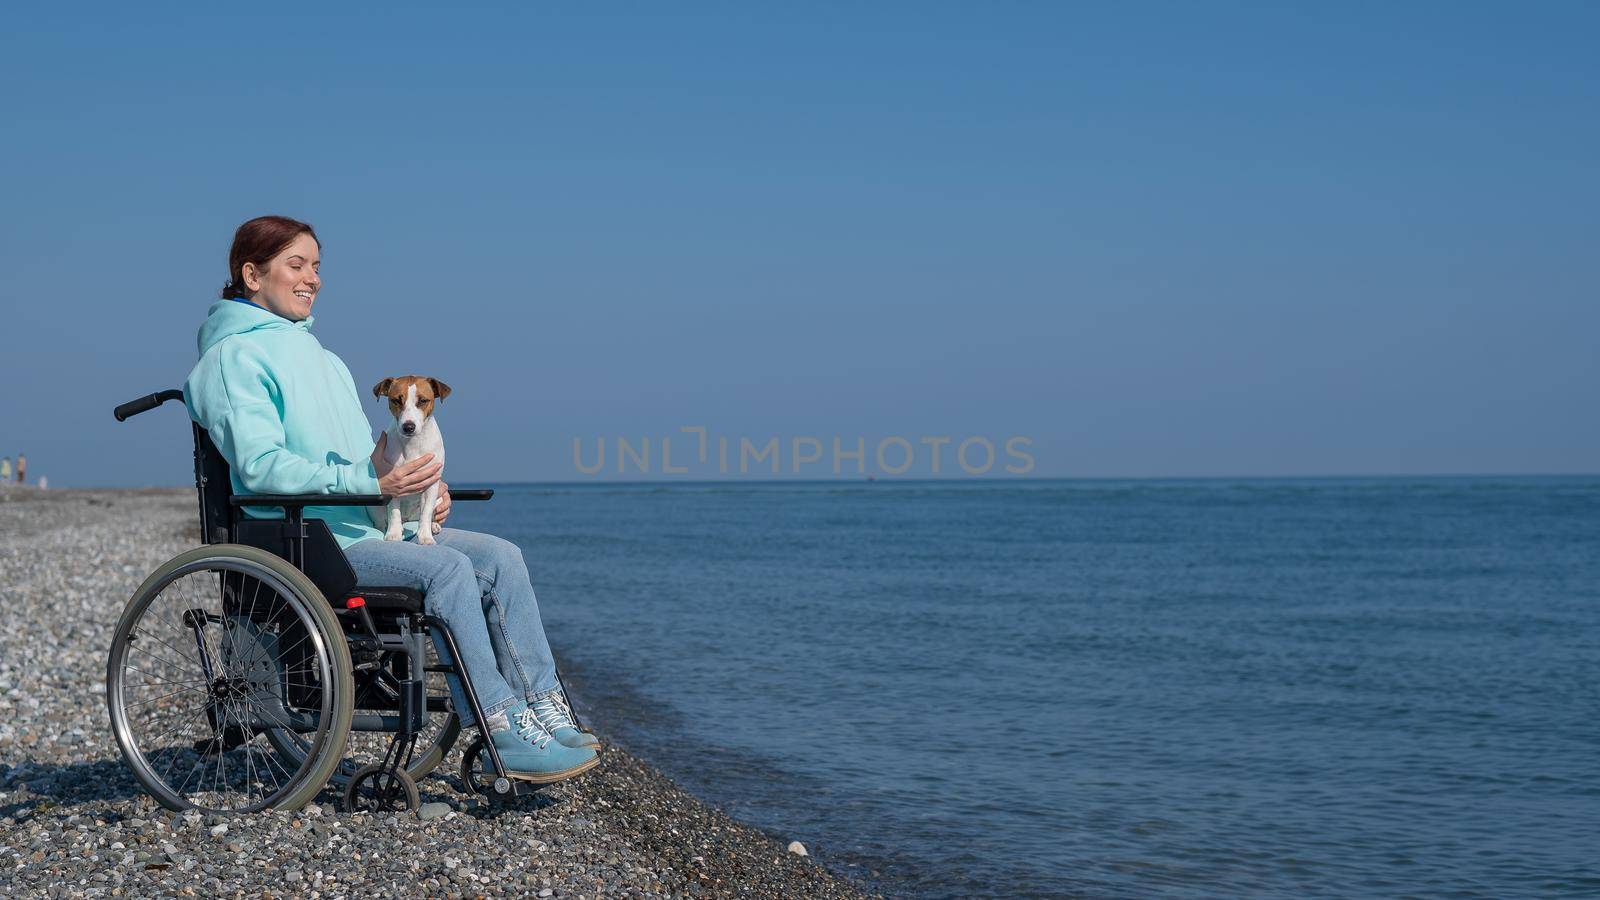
point(1145, 688)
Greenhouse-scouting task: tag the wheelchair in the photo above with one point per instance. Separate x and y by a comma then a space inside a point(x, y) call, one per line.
point(250, 673)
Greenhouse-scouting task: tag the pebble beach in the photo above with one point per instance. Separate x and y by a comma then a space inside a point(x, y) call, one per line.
point(75, 823)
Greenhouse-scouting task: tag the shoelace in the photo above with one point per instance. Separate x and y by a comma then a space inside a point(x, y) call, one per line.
point(553, 712)
point(530, 729)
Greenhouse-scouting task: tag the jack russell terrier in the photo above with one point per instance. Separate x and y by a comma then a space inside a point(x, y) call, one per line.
point(414, 433)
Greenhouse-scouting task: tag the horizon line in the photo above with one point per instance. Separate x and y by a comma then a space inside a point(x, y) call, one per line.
point(863, 480)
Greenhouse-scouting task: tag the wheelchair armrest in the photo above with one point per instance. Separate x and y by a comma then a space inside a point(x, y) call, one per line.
point(471, 493)
point(309, 499)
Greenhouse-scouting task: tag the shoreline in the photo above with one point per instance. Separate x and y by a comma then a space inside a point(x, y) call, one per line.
point(74, 821)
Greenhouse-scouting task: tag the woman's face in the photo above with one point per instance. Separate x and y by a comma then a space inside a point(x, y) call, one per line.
point(289, 284)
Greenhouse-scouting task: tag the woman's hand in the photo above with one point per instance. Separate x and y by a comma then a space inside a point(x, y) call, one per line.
point(379, 464)
point(412, 477)
point(442, 508)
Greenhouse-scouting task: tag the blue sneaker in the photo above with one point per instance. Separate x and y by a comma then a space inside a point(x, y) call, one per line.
point(555, 716)
point(530, 753)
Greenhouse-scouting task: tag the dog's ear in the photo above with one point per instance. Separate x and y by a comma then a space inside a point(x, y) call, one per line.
point(382, 387)
point(440, 389)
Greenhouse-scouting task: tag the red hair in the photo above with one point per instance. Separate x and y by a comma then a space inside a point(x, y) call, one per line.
point(258, 241)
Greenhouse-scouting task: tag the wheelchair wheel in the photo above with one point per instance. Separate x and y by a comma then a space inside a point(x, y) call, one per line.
point(374, 789)
point(366, 748)
point(478, 775)
point(217, 647)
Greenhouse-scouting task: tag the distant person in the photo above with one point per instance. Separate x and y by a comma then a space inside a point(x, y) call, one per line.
point(44, 483)
point(5, 470)
point(22, 468)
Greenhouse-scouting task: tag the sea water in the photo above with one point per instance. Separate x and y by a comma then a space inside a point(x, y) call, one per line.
point(1103, 688)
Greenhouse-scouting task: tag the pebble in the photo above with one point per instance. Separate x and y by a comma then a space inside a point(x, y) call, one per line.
point(429, 811)
point(798, 848)
point(76, 823)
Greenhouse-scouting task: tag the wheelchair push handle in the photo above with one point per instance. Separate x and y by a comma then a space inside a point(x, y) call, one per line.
point(145, 404)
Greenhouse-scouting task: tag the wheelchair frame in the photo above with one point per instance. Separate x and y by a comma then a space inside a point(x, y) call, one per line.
point(388, 651)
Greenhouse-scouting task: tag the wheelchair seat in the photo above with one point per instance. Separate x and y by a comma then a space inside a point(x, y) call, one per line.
point(390, 599)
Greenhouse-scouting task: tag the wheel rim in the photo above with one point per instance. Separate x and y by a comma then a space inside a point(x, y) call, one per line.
point(204, 659)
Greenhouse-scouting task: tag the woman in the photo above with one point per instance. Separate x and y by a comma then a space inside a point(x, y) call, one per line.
point(285, 414)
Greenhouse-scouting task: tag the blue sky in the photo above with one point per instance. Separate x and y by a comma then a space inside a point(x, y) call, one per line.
point(1154, 239)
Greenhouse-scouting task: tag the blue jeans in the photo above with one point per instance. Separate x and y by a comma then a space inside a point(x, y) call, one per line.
point(479, 584)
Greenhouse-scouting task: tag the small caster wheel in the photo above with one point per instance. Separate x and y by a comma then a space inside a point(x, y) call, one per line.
point(376, 789)
point(478, 776)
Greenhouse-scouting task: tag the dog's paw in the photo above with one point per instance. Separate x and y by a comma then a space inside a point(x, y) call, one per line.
point(426, 539)
point(394, 536)
point(437, 528)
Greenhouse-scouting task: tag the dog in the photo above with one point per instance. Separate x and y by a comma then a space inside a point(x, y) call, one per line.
point(415, 432)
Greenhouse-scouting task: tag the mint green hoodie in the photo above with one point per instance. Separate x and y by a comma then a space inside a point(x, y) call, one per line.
point(284, 412)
